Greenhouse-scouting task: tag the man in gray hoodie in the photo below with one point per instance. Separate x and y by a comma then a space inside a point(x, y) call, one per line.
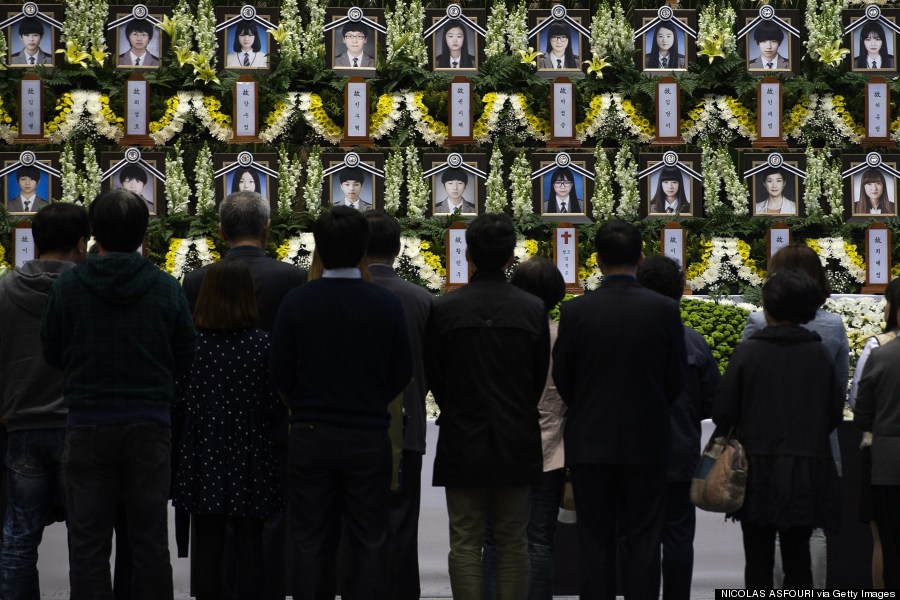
point(31, 398)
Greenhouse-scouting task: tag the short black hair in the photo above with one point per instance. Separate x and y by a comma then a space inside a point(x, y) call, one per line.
point(119, 220)
point(539, 276)
point(30, 25)
point(661, 274)
point(352, 174)
point(132, 172)
point(791, 295)
point(357, 27)
point(244, 27)
point(384, 234)
point(766, 31)
point(342, 236)
point(618, 243)
point(454, 174)
point(139, 25)
point(30, 172)
point(491, 239)
point(244, 215)
point(59, 227)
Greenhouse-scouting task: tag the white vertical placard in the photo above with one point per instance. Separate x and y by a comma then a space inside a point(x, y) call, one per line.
point(136, 107)
point(878, 112)
point(563, 110)
point(457, 265)
point(878, 257)
point(357, 107)
point(566, 255)
point(24, 245)
point(778, 239)
point(667, 110)
point(673, 245)
point(770, 110)
point(245, 109)
point(32, 124)
point(461, 117)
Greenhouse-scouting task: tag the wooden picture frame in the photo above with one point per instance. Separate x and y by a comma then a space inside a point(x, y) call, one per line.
point(136, 177)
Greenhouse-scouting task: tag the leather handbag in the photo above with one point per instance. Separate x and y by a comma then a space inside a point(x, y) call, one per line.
point(720, 481)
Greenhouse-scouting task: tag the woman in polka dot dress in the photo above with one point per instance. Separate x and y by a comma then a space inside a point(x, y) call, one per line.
point(226, 468)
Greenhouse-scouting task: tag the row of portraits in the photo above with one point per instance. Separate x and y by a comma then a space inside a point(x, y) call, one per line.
point(560, 191)
point(456, 42)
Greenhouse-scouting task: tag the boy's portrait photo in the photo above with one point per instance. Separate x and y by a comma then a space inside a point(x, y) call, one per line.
point(768, 48)
point(357, 46)
point(138, 173)
point(135, 178)
point(27, 190)
point(138, 44)
point(354, 180)
point(352, 187)
point(451, 192)
point(31, 43)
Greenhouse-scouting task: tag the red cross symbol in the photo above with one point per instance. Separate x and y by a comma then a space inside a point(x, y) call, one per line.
point(565, 236)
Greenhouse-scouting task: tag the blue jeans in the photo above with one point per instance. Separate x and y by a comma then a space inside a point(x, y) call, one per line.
point(35, 485)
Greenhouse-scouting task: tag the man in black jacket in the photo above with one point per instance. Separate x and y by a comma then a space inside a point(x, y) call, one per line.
point(619, 364)
point(486, 357)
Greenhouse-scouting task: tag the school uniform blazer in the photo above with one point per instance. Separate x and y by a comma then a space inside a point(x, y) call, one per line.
point(343, 60)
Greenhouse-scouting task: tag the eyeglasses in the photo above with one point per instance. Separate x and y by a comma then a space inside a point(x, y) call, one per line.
point(354, 37)
point(562, 183)
point(559, 38)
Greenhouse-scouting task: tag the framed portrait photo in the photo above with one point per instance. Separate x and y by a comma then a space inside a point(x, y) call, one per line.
point(31, 180)
point(670, 186)
point(135, 36)
point(140, 173)
point(667, 40)
point(871, 185)
point(353, 179)
point(771, 40)
point(354, 39)
point(563, 186)
point(32, 33)
point(457, 183)
point(560, 35)
point(244, 40)
point(247, 172)
point(455, 39)
point(776, 184)
point(872, 39)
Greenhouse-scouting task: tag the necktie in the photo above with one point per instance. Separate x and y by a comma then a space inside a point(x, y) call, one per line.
point(455, 64)
point(30, 60)
point(355, 62)
point(137, 62)
point(873, 64)
point(664, 62)
point(558, 63)
point(770, 65)
point(670, 210)
point(27, 205)
point(246, 59)
point(562, 207)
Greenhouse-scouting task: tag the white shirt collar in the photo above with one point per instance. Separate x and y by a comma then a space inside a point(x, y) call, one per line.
point(877, 61)
point(345, 273)
point(24, 199)
point(672, 205)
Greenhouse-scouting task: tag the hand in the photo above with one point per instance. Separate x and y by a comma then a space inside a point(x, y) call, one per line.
point(866, 440)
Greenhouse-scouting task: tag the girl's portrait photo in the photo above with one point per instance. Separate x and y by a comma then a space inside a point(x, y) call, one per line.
point(664, 47)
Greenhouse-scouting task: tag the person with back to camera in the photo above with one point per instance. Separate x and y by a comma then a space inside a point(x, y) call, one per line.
point(558, 53)
point(866, 512)
point(663, 275)
point(562, 196)
point(664, 52)
point(873, 50)
point(768, 37)
point(782, 396)
point(247, 47)
point(225, 473)
point(455, 54)
point(830, 328)
point(873, 196)
point(139, 32)
point(670, 196)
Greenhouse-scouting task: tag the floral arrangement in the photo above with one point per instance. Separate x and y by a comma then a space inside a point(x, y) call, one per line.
point(535, 126)
point(297, 250)
point(393, 182)
point(611, 33)
point(186, 103)
point(178, 192)
point(490, 116)
point(823, 181)
point(723, 261)
point(589, 274)
point(520, 186)
point(313, 111)
point(720, 120)
point(290, 30)
point(844, 265)
point(720, 321)
point(823, 117)
point(82, 112)
point(432, 131)
point(204, 182)
point(8, 131)
point(524, 250)
point(387, 113)
point(517, 28)
point(417, 264)
point(4, 266)
point(417, 189)
point(188, 254)
point(496, 186)
point(863, 318)
point(715, 32)
point(626, 176)
point(89, 179)
point(84, 31)
point(204, 27)
point(180, 30)
point(719, 171)
point(825, 31)
point(404, 33)
point(311, 38)
point(3, 49)
point(602, 201)
point(282, 116)
point(495, 40)
point(218, 123)
point(68, 173)
point(895, 130)
point(609, 116)
point(315, 175)
point(489, 121)
point(289, 170)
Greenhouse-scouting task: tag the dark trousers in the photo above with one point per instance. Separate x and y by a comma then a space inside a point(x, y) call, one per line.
point(678, 541)
point(886, 510)
point(759, 555)
point(339, 475)
point(104, 465)
point(626, 498)
point(403, 531)
point(209, 544)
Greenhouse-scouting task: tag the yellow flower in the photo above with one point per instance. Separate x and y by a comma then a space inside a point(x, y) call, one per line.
point(74, 55)
point(185, 57)
point(832, 54)
point(596, 66)
point(713, 46)
point(170, 26)
point(529, 57)
point(100, 56)
point(279, 33)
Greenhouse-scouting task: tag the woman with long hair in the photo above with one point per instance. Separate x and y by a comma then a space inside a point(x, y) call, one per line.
point(873, 50)
point(455, 53)
point(873, 196)
point(562, 196)
point(245, 180)
point(247, 47)
point(225, 472)
point(670, 195)
point(558, 52)
point(664, 49)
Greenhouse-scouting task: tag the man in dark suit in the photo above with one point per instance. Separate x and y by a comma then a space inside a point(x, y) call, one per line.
point(244, 225)
point(619, 364)
point(403, 523)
